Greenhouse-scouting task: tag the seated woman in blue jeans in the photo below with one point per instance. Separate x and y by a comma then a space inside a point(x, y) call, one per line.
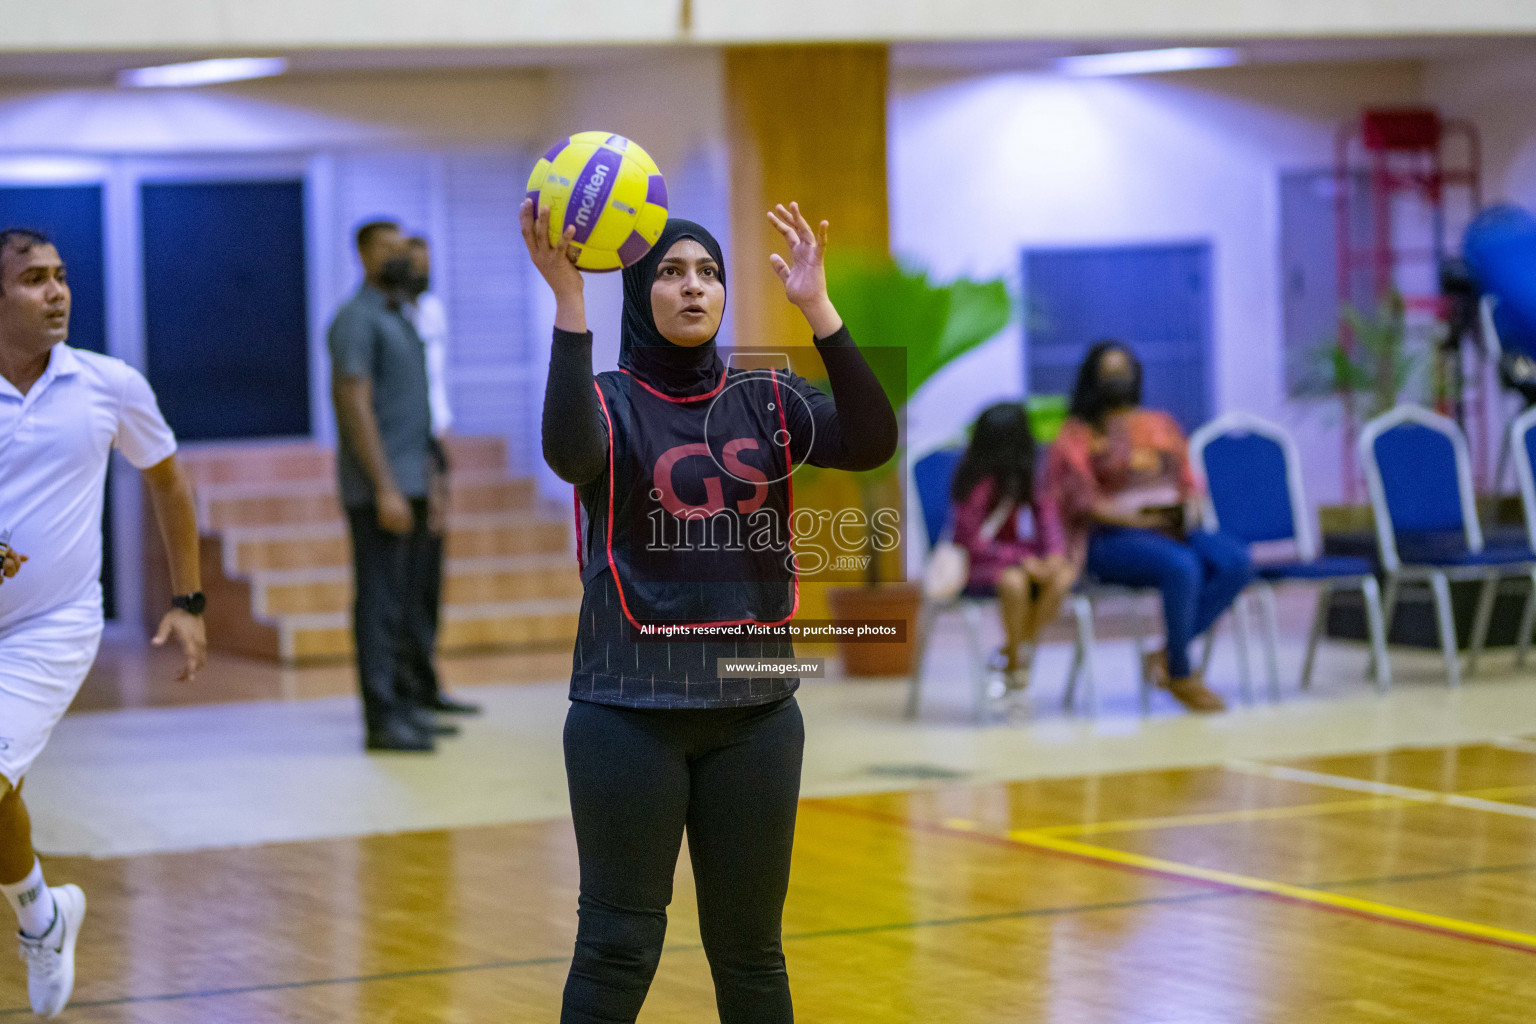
point(1128, 500)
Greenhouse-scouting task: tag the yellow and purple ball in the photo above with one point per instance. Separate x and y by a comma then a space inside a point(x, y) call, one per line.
point(609, 189)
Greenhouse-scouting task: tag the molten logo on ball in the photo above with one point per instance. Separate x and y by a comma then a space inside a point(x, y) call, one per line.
point(591, 196)
point(609, 190)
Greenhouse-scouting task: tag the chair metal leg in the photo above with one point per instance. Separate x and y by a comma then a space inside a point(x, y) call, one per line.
point(972, 616)
point(1505, 452)
point(1209, 641)
point(1485, 598)
point(927, 618)
point(1270, 620)
point(1376, 629)
point(1082, 661)
point(1441, 588)
point(1527, 623)
point(1315, 634)
point(1082, 616)
point(1140, 629)
point(1388, 610)
point(1241, 632)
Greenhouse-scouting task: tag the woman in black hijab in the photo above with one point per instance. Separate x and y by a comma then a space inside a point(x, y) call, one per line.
point(681, 469)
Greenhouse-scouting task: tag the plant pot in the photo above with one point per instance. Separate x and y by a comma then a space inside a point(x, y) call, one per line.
point(886, 601)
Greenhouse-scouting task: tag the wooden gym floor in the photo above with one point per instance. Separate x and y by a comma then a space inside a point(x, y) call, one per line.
point(1383, 887)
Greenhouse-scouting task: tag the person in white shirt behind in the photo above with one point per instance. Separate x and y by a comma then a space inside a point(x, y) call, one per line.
point(62, 411)
point(429, 316)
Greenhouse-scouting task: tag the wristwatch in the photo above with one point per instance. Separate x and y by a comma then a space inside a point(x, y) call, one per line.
point(192, 603)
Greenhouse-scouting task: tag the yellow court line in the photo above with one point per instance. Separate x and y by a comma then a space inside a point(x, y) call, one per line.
point(1283, 890)
point(1375, 803)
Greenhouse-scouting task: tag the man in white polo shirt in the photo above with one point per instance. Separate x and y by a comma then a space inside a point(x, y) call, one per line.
point(62, 411)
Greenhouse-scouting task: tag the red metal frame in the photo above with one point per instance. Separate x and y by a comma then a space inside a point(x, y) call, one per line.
point(1413, 152)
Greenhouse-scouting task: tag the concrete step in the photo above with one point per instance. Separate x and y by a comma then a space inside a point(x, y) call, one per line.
point(249, 550)
point(467, 581)
point(315, 501)
point(529, 624)
point(275, 461)
point(277, 553)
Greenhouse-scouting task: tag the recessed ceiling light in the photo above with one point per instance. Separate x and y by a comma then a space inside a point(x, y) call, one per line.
point(202, 72)
point(1146, 62)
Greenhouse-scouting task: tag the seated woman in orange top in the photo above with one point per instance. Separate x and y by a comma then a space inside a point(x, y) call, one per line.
point(1128, 499)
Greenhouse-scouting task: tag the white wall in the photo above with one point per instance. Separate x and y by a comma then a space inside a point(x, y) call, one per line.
point(862, 20)
point(262, 24)
point(1496, 96)
point(984, 167)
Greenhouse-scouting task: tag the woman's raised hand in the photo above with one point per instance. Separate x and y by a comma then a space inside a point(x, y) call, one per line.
point(805, 272)
point(555, 262)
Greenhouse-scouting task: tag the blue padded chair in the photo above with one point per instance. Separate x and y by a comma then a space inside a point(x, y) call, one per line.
point(932, 475)
point(1419, 473)
point(1254, 492)
point(1521, 442)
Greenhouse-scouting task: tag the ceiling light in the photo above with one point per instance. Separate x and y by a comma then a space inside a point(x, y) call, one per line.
point(202, 72)
point(1146, 62)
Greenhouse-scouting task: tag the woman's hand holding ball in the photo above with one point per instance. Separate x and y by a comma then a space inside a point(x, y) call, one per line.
point(557, 265)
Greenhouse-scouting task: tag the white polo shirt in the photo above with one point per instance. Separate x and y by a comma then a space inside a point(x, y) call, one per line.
point(430, 318)
point(55, 443)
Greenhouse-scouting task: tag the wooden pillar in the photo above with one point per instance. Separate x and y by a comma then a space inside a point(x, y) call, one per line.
point(805, 124)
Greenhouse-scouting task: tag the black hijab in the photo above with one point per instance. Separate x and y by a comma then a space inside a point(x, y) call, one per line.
point(643, 351)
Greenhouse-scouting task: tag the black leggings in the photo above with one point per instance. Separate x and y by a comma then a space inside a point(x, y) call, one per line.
point(731, 777)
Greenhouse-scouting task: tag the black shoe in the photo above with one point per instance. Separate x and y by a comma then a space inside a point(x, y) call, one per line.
point(431, 726)
point(446, 705)
point(400, 734)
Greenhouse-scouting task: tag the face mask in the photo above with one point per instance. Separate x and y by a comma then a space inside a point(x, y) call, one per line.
point(1117, 392)
point(418, 284)
point(397, 273)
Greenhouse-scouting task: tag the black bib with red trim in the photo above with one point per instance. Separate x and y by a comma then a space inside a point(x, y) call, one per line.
point(693, 512)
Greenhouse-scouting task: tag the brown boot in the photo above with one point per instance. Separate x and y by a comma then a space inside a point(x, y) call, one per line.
point(1154, 668)
point(1194, 695)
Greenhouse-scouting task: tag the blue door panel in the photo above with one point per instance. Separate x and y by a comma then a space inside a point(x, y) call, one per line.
point(225, 307)
point(1157, 299)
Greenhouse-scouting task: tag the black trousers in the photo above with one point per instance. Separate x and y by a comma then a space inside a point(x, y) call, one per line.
point(638, 780)
point(397, 579)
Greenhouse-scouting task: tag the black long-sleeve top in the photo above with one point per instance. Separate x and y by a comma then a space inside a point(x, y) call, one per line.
point(854, 428)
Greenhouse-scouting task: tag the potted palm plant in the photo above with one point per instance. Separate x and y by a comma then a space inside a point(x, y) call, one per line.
point(1370, 357)
point(932, 325)
point(1366, 366)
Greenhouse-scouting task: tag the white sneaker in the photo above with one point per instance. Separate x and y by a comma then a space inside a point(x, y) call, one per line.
point(51, 959)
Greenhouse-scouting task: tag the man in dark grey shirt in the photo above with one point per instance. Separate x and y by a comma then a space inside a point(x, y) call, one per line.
point(388, 464)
